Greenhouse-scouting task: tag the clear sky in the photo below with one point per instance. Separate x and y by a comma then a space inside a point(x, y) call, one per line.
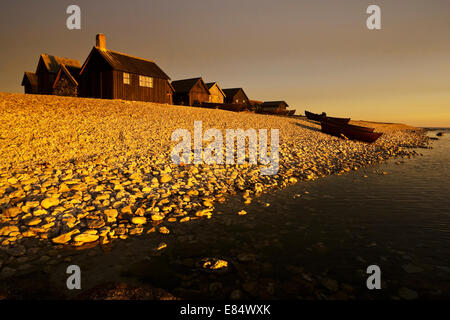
point(315, 55)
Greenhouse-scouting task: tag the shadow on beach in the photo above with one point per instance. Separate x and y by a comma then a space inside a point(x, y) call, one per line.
point(307, 127)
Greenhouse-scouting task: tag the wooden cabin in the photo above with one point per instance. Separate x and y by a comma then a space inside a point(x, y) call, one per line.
point(190, 92)
point(65, 83)
point(236, 96)
point(110, 74)
point(48, 68)
point(274, 107)
point(216, 94)
point(30, 83)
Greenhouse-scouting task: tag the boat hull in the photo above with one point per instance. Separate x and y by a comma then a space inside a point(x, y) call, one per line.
point(313, 116)
point(348, 132)
point(352, 126)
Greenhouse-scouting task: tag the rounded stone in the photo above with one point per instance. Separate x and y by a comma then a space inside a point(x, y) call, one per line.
point(165, 178)
point(86, 237)
point(49, 202)
point(139, 220)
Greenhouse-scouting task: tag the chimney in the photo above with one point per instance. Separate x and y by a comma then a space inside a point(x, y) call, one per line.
point(100, 41)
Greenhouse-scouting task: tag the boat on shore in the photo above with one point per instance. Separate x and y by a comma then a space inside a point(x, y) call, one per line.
point(349, 131)
point(323, 116)
point(315, 116)
point(367, 129)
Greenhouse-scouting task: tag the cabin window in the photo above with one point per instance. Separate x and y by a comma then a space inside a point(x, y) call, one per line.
point(126, 78)
point(237, 100)
point(146, 81)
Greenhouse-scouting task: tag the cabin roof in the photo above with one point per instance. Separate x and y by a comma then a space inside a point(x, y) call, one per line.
point(52, 63)
point(127, 63)
point(31, 77)
point(209, 85)
point(232, 92)
point(185, 85)
point(273, 104)
point(74, 71)
point(170, 86)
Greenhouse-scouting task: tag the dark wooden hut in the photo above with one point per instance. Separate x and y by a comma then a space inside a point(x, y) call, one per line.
point(48, 68)
point(274, 107)
point(190, 92)
point(236, 96)
point(110, 74)
point(30, 83)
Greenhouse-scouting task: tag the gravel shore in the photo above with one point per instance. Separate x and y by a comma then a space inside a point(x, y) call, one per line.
point(77, 172)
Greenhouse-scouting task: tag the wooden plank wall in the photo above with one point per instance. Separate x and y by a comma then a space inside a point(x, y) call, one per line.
point(198, 94)
point(45, 81)
point(160, 93)
point(216, 96)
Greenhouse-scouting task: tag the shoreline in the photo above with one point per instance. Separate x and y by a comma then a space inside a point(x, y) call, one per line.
point(133, 269)
point(78, 200)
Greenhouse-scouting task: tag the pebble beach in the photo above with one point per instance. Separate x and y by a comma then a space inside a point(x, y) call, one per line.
point(78, 173)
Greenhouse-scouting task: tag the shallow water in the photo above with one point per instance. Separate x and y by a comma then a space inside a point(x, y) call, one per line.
point(336, 227)
point(315, 240)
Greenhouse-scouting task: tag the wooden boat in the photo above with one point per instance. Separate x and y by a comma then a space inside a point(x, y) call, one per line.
point(338, 120)
point(367, 129)
point(349, 132)
point(314, 116)
point(323, 116)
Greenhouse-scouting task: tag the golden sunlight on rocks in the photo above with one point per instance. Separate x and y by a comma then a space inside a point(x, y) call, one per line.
point(85, 171)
